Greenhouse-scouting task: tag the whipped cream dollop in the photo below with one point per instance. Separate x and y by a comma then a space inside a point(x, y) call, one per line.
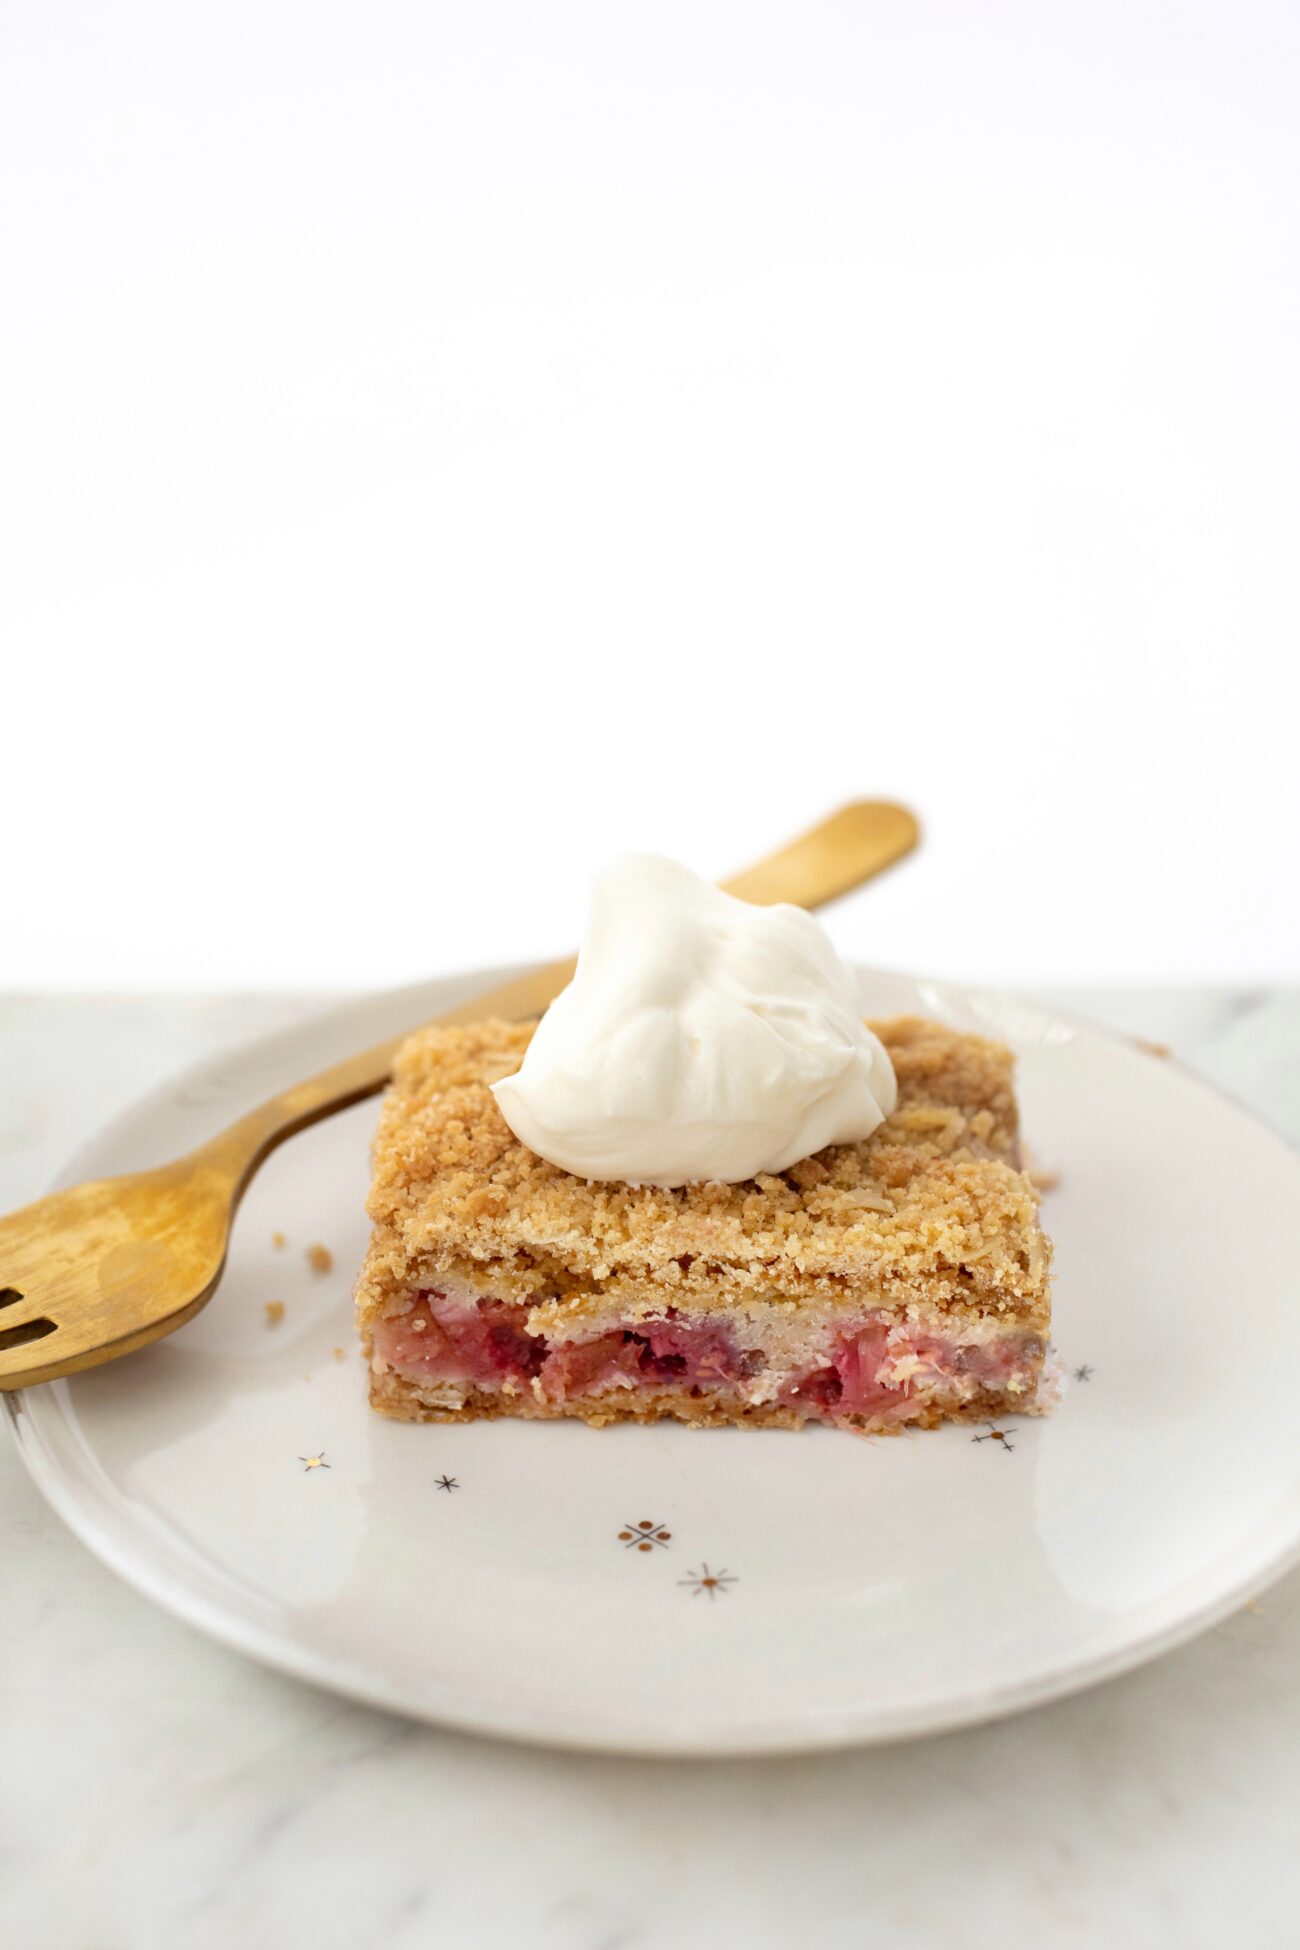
point(701, 1038)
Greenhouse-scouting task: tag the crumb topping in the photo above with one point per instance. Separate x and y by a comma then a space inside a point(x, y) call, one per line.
point(932, 1206)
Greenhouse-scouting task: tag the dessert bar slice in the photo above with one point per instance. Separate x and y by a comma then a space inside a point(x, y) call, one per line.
point(897, 1281)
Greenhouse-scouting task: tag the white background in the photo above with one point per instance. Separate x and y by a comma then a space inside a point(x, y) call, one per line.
point(444, 444)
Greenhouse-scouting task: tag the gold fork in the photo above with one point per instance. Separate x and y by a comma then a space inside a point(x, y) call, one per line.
point(104, 1268)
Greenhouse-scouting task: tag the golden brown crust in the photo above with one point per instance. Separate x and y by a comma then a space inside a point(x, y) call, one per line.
point(406, 1400)
point(931, 1208)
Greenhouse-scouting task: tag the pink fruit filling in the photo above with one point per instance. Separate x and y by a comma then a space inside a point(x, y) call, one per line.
point(446, 1339)
point(871, 1371)
point(657, 1352)
point(460, 1340)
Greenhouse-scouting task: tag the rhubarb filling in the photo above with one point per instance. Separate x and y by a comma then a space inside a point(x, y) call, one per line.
point(872, 1366)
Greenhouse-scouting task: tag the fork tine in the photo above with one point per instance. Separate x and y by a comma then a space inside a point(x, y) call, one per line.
point(37, 1353)
point(17, 1313)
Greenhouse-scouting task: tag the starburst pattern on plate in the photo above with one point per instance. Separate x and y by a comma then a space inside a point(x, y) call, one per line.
point(996, 1435)
point(714, 1582)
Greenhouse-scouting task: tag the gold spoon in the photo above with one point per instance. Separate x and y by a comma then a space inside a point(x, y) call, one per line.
point(104, 1268)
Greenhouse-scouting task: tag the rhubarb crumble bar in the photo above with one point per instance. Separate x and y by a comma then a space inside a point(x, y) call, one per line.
point(897, 1281)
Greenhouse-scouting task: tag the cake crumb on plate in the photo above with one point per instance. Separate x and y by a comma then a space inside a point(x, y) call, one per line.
point(320, 1259)
point(274, 1312)
point(1042, 1177)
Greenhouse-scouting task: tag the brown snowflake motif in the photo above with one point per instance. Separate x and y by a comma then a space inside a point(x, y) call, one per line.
point(996, 1435)
point(644, 1536)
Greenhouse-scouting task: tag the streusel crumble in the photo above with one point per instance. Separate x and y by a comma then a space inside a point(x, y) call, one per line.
point(896, 1281)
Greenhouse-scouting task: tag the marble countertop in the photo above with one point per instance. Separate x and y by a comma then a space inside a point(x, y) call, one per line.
point(156, 1789)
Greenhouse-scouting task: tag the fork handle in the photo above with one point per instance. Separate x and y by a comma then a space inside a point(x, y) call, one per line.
point(852, 846)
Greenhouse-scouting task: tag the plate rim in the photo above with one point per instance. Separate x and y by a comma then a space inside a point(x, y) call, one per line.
point(109, 1538)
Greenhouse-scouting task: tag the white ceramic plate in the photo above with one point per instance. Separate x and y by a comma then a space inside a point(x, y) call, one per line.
point(671, 1591)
